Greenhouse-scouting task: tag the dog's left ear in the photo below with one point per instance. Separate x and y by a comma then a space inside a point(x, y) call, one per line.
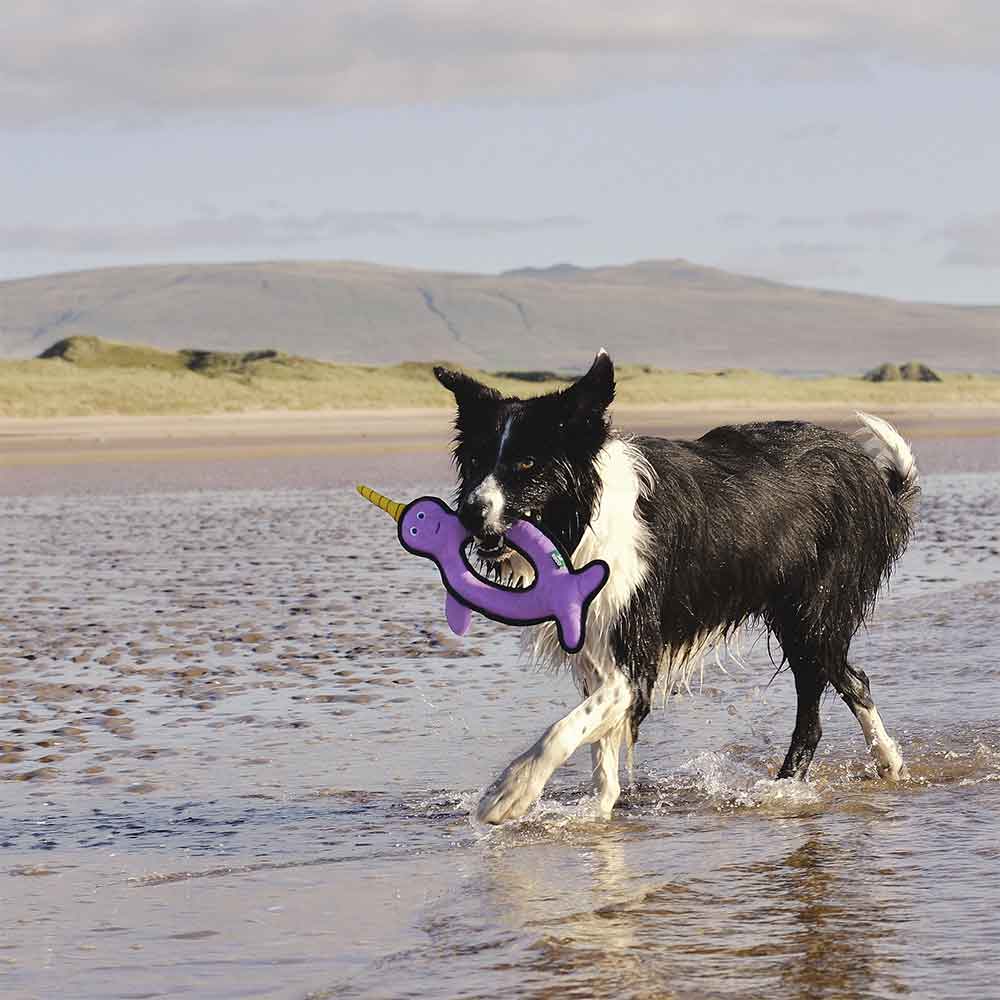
point(465, 388)
point(593, 393)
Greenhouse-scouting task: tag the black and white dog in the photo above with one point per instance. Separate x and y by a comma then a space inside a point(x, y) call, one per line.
point(785, 525)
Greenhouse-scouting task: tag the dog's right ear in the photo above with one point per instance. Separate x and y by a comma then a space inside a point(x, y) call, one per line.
point(465, 388)
point(591, 394)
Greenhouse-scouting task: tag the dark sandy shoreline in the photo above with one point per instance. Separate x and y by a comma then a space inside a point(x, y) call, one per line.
point(247, 450)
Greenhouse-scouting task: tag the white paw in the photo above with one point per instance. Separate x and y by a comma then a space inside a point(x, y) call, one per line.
point(892, 770)
point(516, 790)
point(604, 801)
point(888, 759)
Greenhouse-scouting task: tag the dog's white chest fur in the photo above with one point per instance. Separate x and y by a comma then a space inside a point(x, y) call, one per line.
point(618, 535)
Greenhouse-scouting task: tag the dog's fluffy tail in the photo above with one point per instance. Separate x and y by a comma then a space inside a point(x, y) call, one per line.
point(894, 457)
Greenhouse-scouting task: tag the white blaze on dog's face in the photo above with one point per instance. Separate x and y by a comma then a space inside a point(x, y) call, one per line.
point(489, 497)
point(516, 456)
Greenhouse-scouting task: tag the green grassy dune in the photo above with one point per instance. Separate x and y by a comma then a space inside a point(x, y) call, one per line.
point(88, 376)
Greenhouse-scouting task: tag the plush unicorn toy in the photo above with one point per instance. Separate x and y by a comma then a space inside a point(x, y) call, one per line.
point(559, 593)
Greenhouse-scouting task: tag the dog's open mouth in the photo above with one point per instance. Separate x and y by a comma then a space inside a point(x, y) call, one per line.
point(496, 562)
point(491, 548)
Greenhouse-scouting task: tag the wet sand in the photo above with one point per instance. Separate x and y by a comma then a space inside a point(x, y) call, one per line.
point(239, 749)
point(246, 450)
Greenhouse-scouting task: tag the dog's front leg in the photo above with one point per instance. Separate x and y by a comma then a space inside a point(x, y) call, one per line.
point(604, 756)
point(521, 784)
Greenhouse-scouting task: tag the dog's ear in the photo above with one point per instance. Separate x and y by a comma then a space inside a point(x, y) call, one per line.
point(592, 393)
point(464, 388)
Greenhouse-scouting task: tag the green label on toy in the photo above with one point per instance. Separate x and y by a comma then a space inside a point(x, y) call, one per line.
point(558, 559)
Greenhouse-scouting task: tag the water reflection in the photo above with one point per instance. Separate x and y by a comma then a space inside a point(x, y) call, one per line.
point(834, 934)
point(812, 922)
point(581, 938)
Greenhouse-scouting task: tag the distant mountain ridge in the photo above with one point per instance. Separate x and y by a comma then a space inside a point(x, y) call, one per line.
point(668, 313)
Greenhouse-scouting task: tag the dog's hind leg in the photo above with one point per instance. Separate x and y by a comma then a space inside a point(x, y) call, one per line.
point(852, 685)
point(600, 715)
point(810, 683)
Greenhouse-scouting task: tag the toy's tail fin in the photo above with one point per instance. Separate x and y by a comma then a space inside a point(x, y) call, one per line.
point(572, 618)
point(590, 579)
point(391, 507)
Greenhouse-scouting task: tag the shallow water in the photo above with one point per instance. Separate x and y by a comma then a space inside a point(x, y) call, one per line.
point(239, 750)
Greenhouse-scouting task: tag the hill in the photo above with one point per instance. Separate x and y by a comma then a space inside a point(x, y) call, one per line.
point(663, 313)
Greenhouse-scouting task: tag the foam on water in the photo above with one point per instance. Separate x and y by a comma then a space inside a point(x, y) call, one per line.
point(727, 783)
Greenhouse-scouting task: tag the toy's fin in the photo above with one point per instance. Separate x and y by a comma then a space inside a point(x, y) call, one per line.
point(572, 616)
point(591, 578)
point(391, 507)
point(458, 615)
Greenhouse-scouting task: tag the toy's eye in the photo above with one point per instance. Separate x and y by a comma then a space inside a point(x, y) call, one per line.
point(420, 515)
point(525, 464)
point(413, 531)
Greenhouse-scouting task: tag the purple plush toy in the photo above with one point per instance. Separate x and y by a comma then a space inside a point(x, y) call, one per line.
point(428, 527)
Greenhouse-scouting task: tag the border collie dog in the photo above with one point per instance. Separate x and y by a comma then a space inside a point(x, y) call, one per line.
point(784, 525)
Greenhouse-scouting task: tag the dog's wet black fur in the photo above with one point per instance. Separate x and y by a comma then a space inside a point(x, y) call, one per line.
point(785, 524)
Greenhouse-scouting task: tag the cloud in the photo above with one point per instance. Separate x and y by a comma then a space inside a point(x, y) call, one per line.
point(811, 130)
point(250, 229)
point(819, 249)
point(141, 59)
point(871, 220)
point(879, 220)
point(806, 262)
point(801, 222)
point(975, 241)
point(735, 219)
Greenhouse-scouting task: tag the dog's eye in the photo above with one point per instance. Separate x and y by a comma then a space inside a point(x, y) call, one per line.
point(525, 464)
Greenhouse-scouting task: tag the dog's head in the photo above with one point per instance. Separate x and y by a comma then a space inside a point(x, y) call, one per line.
point(516, 458)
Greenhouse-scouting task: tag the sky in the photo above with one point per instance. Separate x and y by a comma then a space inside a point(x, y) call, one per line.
point(833, 143)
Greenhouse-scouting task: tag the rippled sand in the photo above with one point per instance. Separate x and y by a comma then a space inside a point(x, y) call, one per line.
point(239, 749)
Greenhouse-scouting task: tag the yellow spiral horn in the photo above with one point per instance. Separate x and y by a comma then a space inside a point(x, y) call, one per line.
point(391, 507)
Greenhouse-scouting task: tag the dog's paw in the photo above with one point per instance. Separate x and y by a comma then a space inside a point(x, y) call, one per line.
point(893, 770)
point(604, 798)
point(516, 790)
